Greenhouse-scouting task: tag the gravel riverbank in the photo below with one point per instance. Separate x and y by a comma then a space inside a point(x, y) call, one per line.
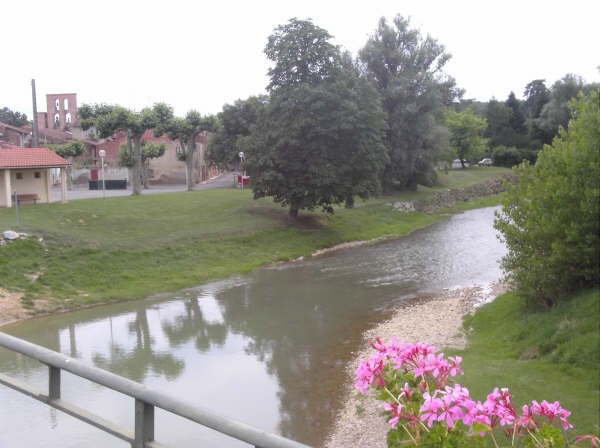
point(436, 321)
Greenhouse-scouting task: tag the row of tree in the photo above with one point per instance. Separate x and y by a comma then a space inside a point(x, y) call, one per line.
point(331, 128)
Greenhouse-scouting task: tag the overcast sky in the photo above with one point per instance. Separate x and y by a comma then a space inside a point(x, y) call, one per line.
point(195, 54)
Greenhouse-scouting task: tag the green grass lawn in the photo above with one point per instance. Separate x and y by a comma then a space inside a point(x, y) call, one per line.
point(547, 354)
point(99, 250)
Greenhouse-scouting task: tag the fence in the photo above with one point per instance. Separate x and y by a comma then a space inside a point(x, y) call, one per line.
point(146, 400)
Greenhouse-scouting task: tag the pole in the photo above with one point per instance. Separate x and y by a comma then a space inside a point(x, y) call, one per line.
point(34, 131)
point(17, 207)
point(103, 185)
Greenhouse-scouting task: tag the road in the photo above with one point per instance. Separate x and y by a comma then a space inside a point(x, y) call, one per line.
point(225, 180)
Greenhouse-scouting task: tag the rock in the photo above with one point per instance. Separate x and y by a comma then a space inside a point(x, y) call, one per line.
point(10, 235)
point(404, 206)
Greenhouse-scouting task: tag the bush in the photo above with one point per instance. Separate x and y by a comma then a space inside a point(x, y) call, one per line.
point(550, 215)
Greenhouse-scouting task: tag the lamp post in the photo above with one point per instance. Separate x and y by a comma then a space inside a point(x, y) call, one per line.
point(241, 154)
point(102, 154)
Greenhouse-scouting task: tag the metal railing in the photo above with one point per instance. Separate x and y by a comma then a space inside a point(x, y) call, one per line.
point(146, 400)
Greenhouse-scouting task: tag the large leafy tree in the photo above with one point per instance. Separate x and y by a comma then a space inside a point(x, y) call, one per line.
point(318, 141)
point(550, 216)
point(407, 71)
point(109, 119)
point(235, 123)
point(185, 131)
point(13, 118)
point(466, 130)
point(302, 54)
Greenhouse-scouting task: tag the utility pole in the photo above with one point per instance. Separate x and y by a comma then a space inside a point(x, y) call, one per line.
point(34, 141)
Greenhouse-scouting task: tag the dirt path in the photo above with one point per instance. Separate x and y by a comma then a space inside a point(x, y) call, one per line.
point(11, 308)
point(438, 322)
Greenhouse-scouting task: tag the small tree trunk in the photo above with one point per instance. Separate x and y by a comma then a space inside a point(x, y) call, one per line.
point(136, 170)
point(189, 163)
point(293, 214)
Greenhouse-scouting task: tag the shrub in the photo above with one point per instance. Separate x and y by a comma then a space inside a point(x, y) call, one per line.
point(550, 215)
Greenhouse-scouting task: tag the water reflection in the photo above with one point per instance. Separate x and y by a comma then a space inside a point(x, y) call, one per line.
point(268, 349)
point(137, 362)
point(192, 324)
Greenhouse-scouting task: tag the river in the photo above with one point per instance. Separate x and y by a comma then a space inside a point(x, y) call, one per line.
point(268, 348)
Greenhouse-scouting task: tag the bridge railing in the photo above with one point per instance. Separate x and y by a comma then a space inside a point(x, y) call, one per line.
point(146, 400)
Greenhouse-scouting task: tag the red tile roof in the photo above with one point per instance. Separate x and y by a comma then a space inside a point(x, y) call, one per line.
point(30, 158)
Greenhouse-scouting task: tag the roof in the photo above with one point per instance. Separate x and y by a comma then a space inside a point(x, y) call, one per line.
point(30, 158)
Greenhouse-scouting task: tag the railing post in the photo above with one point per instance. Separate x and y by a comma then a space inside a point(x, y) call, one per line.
point(53, 383)
point(144, 423)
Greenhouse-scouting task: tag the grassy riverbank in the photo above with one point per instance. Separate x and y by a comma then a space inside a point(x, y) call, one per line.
point(130, 247)
point(540, 355)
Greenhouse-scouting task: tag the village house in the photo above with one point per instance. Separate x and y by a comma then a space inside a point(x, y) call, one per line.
point(26, 175)
point(60, 124)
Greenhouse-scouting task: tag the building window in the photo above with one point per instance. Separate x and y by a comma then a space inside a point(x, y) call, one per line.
point(66, 103)
point(19, 175)
point(57, 104)
point(37, 175)
point(56, 120)
point(68, 117)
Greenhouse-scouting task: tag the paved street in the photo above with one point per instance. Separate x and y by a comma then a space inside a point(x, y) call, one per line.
point(225, 180)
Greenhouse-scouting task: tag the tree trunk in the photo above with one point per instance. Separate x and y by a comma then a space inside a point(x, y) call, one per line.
point(136, 170)
point(293, 214)
point(189, 163)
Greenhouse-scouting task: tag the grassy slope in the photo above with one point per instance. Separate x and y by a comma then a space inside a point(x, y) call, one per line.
point(130, 247)
point(539, 355)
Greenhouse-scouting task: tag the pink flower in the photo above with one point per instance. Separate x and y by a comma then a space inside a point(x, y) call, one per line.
point(370, 371)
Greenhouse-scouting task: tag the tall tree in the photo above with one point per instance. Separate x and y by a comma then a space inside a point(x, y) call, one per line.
point(235, 123)
point(302, 54)
point(556, 113)
point(185, 131)
point(517, 119)
point(318, 142)
point(466, 130)
point(109, 119)
point(536, 96)
point(407, 71)
point(13, 118)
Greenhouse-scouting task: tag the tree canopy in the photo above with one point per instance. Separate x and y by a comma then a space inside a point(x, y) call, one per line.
point(302, 54)
point(407, 71)
point(318, 141)
point(109, 119)
point(466, 140)
point(13, 118)
point(234, 123)
point(550, 216)
point(185, 131)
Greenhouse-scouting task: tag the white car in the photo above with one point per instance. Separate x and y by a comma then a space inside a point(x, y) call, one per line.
point(485, 162)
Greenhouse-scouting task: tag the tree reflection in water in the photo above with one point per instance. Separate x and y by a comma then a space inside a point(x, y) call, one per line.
point(136, 363)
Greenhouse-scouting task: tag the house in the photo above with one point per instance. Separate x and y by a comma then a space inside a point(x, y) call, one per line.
point(27, 171)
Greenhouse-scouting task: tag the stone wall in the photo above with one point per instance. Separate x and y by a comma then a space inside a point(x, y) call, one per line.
point(448, 198)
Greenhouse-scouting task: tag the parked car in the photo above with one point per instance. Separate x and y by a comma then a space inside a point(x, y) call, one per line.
point(485, 162)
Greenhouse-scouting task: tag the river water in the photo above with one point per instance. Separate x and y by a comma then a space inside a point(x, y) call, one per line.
point(267, 349)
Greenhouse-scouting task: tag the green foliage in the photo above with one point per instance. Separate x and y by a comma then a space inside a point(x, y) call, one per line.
point(109, 119)
point(552, 353)
point(406, 70)
point(550, 216)
point(73, 148)
point(184, 130)
point(511, 156)
point(466, 131)
point(235, 124)
point(13, 118)
point(302, 54)
point(319, 144)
